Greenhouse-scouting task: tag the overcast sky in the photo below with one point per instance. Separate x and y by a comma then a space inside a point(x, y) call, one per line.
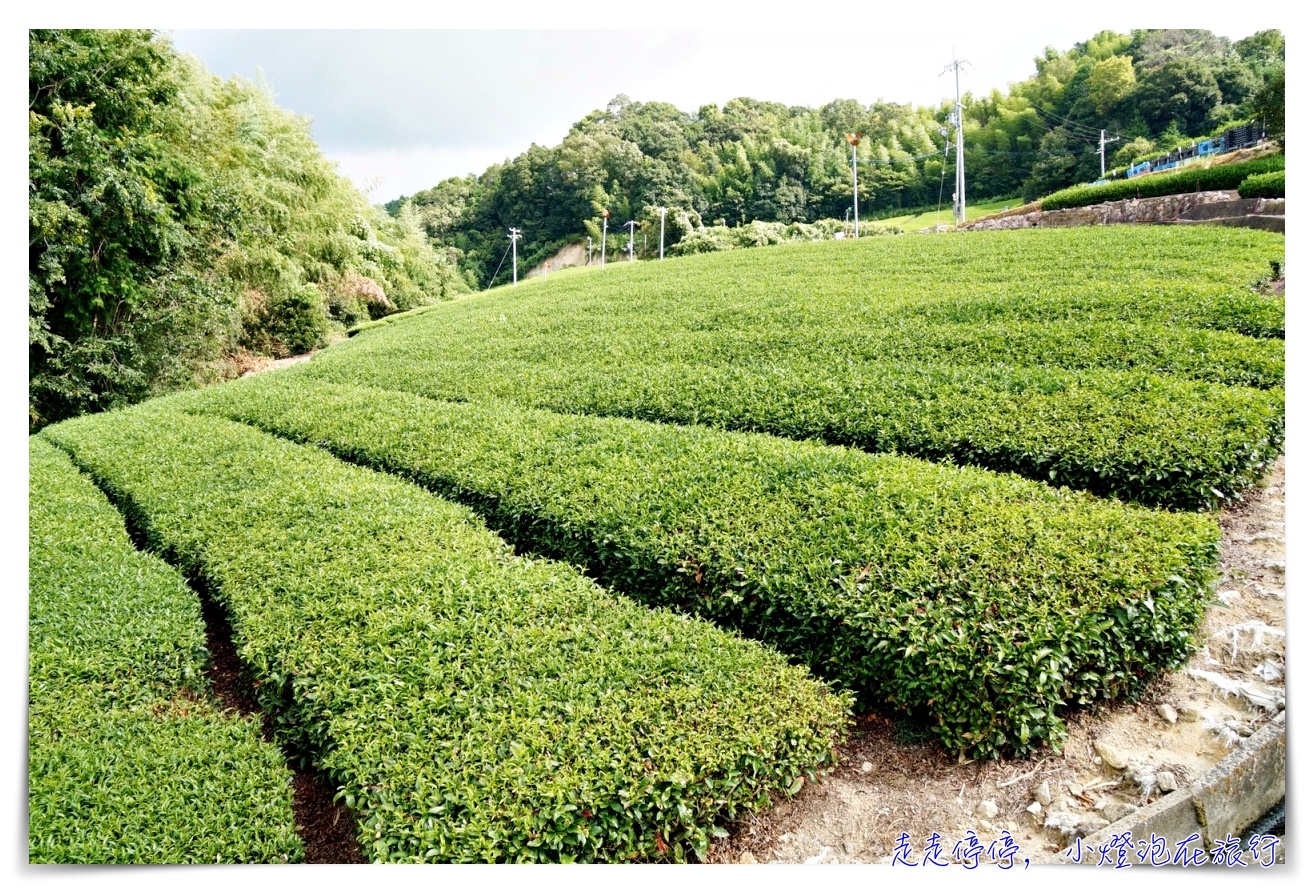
point(404, 109)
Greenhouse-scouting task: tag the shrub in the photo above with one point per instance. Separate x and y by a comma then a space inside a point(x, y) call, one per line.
point(473, 705)
point(978, 602)
point(1107, 359)
point(128, 760)
point(1192, 179)
point(1273, 185)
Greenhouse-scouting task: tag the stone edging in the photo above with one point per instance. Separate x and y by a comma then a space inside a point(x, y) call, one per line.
point(1224, 802)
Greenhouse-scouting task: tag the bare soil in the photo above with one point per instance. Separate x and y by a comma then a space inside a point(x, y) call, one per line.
point(327, 829)
point(1184, 725)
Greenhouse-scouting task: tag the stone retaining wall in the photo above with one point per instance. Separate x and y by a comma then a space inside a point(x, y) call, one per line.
point(1191, 206)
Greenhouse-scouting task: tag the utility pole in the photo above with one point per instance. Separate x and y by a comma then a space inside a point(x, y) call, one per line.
point(960, 186)
point(515, 235)
point(588, 259)
point(1104, 142)
point(853, 141)
point(661, 245)
point(605, 215)
point(630, 246)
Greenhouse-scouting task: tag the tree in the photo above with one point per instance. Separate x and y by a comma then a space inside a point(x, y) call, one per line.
point(1270, 103)
point(1110, 81)
point(174, 217)
point(113, 202)
point(1181, 91)
point(1055, 167)
point(1128, 152)
point(1264, 50)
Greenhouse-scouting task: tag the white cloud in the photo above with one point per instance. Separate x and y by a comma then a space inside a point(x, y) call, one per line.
point(418, 106)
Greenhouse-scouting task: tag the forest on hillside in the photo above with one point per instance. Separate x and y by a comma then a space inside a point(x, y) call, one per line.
point(180, 223)
point(755, 160)
point(177, 221)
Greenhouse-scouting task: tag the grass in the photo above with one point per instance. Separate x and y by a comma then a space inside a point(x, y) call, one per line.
point(945, 216)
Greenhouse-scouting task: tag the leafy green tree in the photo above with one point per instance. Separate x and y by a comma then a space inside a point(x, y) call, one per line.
point(175, 218)
point(1182, 91)
point(113, 210)
point(1129, 151)
point(1270, 103)
point(1111, 80)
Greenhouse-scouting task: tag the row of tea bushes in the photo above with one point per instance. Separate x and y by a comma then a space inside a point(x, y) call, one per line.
point(1132, 362)
point(981, 603)
point(1146, 438)
point(129, 761)
point(472, 705)
point(1202, 354)
point(1191, 179)
point(1272, 185)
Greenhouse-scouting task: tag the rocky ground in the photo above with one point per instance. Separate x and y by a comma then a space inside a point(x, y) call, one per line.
point(1116, 760)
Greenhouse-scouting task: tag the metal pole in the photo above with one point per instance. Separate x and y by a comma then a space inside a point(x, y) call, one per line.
point(960, 207)
point(630, 224)
point(853, 140)
point(588, 258)
point(960, 178)
point(1103, 142)
point(605, 215)
point(661, 250)
point(515, 234)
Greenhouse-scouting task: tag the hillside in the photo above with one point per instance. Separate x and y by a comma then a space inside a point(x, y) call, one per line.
point(595, 567)
point(1116, 97)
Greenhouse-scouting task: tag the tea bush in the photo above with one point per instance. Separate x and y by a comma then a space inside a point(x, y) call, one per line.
point(1191, 179)
point(473, 705)
point(1131, 362)
point(1272, 185)
point(981, 603)
point(128, 759)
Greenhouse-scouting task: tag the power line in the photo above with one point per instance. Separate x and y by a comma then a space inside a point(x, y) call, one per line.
point(1090, 133)
point(499, 267)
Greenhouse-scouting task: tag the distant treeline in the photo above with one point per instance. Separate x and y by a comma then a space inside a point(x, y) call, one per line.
point(753, 160)
point(176, 220)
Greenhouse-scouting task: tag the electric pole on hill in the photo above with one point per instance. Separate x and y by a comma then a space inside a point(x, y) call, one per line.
point(630, 224)
point(853, 141)
point(661, 244)
point(1103, 143)
point(605, 215)
point(960, 183)
point(514, 234)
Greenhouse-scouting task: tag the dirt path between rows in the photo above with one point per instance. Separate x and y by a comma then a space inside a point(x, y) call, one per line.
point(1188, 721)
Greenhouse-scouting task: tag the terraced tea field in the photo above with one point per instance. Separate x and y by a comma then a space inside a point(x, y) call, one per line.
point(590, 568)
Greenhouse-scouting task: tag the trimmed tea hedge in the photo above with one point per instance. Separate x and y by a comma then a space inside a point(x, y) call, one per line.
point(128, 761)
point(981, 603)
point(1109, 362)
point(1272, 185)
point(473, 705)
point(1192, 179)
point(1145, 438)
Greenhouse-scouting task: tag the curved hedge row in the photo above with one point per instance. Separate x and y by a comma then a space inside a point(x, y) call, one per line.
point(473, 705)
point(980, 603)
point(1107, 358)
point(128, 761)
point(1146, 438)
point(1192, 179)
point(1272, 185)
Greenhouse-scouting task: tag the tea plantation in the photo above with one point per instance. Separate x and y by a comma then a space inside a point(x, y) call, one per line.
point(588, 568)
